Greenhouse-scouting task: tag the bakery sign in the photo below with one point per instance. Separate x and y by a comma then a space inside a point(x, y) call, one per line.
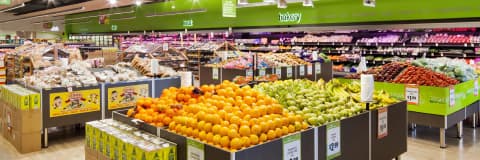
point(289, 17)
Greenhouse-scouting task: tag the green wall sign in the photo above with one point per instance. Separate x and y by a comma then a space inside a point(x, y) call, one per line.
point(188, 23)
point(114, 27)
point(209, 14)
point(5, 2)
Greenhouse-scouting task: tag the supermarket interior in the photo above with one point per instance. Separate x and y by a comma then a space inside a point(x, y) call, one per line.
point(239, 79)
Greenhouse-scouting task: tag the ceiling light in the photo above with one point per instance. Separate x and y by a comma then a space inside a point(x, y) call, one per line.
point(12, 8)
point(138, 2)
point(307, 3)
point(282, 4)
point(112, 2)
point(243, 2)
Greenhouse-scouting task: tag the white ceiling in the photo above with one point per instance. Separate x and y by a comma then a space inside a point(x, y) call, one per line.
point(28, 24)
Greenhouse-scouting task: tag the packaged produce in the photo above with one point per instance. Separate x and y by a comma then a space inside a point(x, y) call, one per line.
point(454, 68)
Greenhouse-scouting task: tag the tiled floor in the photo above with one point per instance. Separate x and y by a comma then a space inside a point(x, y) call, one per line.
point(422, 145)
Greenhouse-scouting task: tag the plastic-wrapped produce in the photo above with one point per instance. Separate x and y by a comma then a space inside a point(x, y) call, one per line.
point(455, 68)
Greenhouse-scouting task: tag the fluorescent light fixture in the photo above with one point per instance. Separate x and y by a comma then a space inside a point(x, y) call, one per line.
point(307, 3)
point(282, 4)
point(55, 29)
point(112, 2)
point(12, 8)
point(201, 10)
point(111, 14)
point(242, 2)
point(46, 15)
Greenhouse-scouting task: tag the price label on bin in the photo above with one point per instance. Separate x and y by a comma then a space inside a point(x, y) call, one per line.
point(262, 72)
point(302, 70)
point(195, 150)
point(292, 147)
point(309, 69)
point(278, 72)
point(475, 89)
point(318, 68)
point(215, 73)
point(289, 71)
point(249, 72)
point(452, 96)
point(333, 140)
point(382, 122)
point(412, 93)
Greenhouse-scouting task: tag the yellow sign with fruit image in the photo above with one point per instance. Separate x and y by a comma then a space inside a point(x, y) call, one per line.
point(121, 97)
point(68, 103)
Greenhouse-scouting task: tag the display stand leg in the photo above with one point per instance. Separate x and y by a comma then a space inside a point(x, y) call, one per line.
point(45, 137)
point(442, 138)
point(398, 157)
point(460, 129)
point(474, 120)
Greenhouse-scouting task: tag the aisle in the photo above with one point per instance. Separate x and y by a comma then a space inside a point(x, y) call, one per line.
point(423, 146)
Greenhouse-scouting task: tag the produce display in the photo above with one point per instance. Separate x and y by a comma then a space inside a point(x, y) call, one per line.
point(117, 73)
point(381, 39)
point(282, 59)
point(404, 72)
point(319, 102)
point(333, 38)
point(75, 74)
point(265, 60)
point(116, 140)
point(442, 38)
point(243, 80)
point(423, 76)
point(144, 66)
point(454, 68)
point(384, 73)
point(225, 115)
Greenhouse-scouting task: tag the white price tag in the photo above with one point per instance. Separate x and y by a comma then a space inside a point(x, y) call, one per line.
point(278, 72)
point(309, 69)
point(249, 72)
point(215, 73)
point(315, 55)
point(261, 72)
point(195, 150)
point(69, 89)
point(465, 45)
point(318, 68)
point(302, 70)
point(333, 140)
point(154, 66)
point(382, 122)
point(452, 96)
point(412, 93)
point(165, 47)
point(292, 147)
point(289, 72)
point(475, 89)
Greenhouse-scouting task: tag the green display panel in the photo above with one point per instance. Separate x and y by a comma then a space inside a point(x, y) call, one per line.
point(432, 100)
point(215, 14)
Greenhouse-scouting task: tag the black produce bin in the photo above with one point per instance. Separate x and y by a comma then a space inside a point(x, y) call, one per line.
point(206, 75)
point(163, 83)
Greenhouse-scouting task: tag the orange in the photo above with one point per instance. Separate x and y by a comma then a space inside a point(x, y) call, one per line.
point(130, 112)
point(233, 126)
point(224, 131)
point(167, 120)
point(209, 137)
point(291, 128)
point(256, 129)
point(235, 120)
point(225, 141)
point(278, 132)
point(195, 133)
point(298, 126)
point(236, 143)
point(254, 139)
point(246, 141)
point(263, 137)
point(304, 125)
point(189, 131)
point(244, 130)
point(285, 130)
point(271, 135)
point(216, 139)
point(264, 126)
point(201, 124)
point(216, 129)
point(202, 135)
point(232, 133)
point(207, 127)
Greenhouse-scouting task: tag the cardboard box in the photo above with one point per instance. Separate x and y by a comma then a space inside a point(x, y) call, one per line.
point(90, 154)
point(24, 142)
point(27, 121)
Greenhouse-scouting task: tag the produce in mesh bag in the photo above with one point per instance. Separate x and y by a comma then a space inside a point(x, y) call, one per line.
point(424, 77)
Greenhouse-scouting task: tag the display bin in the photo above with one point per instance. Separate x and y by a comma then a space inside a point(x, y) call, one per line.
point(123, 95)
point(230, 74)
point(163, 83)
point(267, 150)
point(433, 100)
point(394, 142)
point(354, 138)
point(207, 75)
point(305, 72)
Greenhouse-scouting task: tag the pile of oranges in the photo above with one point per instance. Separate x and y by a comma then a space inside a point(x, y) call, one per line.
point(225, 115)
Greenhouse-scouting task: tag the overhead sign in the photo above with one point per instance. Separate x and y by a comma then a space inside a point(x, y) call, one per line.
point(290, 17)
point(114, 27)
point(188, 23)
point(229, 8)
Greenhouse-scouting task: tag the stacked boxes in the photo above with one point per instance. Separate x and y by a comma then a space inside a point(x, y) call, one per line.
point(108, 139)
point(20, 117)
point(3, 71)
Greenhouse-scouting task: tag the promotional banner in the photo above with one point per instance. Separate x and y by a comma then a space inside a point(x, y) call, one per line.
point(121, 97)
point(68, 103)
